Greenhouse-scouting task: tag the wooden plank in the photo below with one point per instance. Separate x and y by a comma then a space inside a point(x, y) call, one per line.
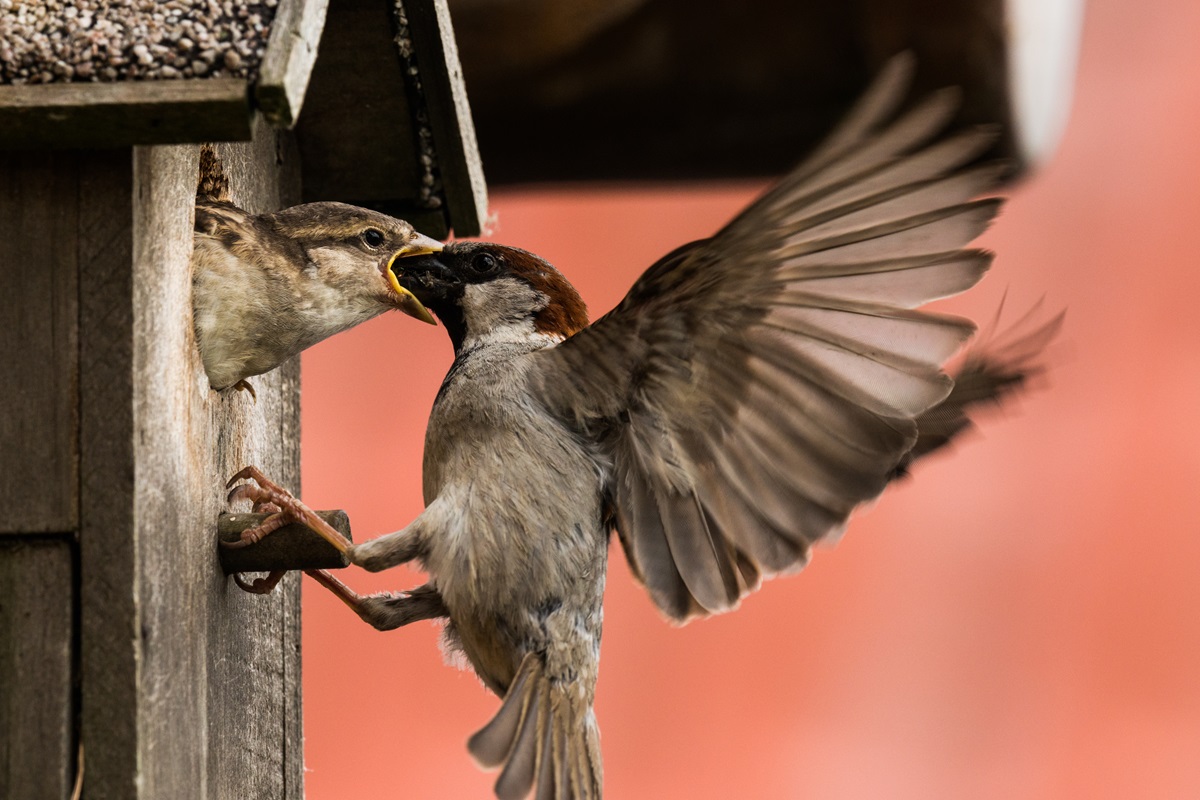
point(64, 115)
point(38, 351)
point(291, 53)
point(445, 96)
point(190, 687)
point(254, 708)
point(37, 754)
point(110, 630)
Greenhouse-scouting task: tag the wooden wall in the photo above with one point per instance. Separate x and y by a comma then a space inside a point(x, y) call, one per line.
point(118, 631)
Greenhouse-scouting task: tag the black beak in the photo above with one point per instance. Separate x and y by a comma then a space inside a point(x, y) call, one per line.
point(430, 281)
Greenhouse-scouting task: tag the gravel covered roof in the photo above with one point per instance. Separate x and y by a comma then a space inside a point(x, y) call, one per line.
point(55, 41)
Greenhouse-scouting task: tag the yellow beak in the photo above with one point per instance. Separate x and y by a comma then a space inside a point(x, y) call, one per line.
point(419, 245)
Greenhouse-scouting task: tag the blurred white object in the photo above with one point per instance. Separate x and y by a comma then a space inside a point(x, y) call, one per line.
point(1043, 40)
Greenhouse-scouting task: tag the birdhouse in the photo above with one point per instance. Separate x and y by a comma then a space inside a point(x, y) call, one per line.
point(128, 661)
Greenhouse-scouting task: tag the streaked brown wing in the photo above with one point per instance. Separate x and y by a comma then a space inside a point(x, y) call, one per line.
point(756, 386)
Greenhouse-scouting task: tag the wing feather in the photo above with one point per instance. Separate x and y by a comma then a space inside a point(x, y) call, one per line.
point(901, 204)
point(650, 554)
point(705, 559)
point(879, 102)
point(781, 392)
point(904, 283)
point(932, 232)
point(934, 161)
point(914, 128)
point(893, 336)
point(770, 549)
point(753, 388)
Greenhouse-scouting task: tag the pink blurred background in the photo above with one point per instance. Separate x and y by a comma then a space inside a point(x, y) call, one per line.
point(1021, 619)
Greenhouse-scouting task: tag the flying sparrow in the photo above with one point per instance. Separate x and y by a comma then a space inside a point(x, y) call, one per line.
point(266, 286)
point(750, 391)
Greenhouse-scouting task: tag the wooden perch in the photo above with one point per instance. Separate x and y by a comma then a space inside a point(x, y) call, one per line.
point(292, 547)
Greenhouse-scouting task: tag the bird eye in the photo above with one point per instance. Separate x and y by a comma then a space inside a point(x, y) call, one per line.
point(372, 237)
point(483, 263)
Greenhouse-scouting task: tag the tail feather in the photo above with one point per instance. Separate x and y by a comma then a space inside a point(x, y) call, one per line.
point(490, 746)
point(542, 740)
point(991, 372)
point(518, 774)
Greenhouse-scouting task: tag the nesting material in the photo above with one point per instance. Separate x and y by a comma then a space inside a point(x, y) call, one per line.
point(56, 41)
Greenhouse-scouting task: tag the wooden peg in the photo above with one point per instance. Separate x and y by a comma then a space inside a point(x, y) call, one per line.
point(291, 547)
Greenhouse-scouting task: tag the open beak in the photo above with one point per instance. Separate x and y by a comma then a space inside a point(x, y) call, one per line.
point(419, 245)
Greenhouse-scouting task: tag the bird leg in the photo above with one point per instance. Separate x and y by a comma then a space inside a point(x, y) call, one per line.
point(287, 509)
point(386, 610)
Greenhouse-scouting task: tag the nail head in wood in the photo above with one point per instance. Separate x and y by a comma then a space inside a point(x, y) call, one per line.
point(292, 547)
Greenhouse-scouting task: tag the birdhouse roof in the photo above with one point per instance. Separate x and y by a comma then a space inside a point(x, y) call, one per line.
point(386, 121)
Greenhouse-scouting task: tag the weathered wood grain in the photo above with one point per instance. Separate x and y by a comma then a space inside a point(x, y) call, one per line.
point(63, 115)
point(190, 687)
point(110, 630)
point(37, 754)
point(254, 702)
point(291, 52)
point(38, 349)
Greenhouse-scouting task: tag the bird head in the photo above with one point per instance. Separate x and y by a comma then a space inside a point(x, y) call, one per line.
point(354, 251)
point(479, 290)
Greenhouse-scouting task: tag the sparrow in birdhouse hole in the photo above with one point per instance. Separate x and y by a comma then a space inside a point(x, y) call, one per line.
point(750, 391)
point(267, 286)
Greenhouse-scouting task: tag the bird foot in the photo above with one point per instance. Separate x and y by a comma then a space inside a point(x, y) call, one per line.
point(284, 508)
point(245, 386)
point(262, 585)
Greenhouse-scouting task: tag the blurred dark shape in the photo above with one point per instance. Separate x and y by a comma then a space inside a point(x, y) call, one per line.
point(586, 90)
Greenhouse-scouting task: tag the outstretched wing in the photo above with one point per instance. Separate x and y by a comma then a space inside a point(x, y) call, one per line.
point(756, 386)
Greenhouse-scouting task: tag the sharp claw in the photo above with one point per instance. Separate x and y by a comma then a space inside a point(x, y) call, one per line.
point(242, 475)
point(259, 585)
point(245, 587)
point(255, 474)
point(244, 386)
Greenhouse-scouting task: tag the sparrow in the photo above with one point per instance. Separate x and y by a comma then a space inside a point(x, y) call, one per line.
point(750, 391)
point(267, 286)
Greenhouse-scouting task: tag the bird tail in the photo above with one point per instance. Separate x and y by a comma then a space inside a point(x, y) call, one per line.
point(990, 372)
point(545, 738)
